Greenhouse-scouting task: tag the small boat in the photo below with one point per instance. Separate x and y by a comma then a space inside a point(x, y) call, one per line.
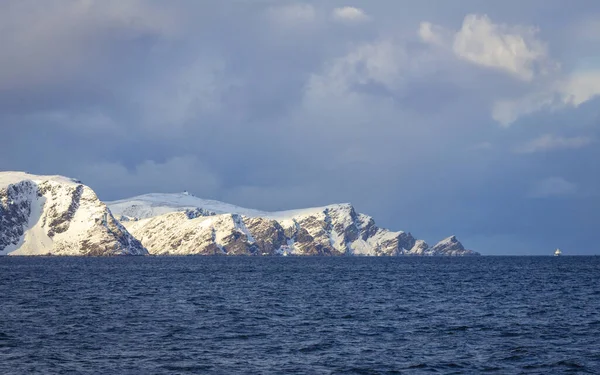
point(557, 253)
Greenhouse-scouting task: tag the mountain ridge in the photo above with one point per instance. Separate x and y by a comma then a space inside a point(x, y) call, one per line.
point(182, 224)
point(57, 215)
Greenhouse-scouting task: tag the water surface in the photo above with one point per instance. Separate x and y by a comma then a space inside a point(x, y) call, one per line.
point(218, 315)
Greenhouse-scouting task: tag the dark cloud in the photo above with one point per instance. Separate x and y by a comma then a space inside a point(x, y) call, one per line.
point(277, 105)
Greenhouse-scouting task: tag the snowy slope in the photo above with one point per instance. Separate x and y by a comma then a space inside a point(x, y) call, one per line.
point(57, 215)
point(181, 224)
point(150, 205)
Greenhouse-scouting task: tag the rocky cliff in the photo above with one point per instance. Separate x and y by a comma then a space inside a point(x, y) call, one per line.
point(181, 224)
point(55, 215)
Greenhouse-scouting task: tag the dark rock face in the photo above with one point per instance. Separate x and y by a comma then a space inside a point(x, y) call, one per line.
point(49, 208)
point(369, 229)
point(15, 210)
point(237, 244)
point(406, 241)
point(269, 235)
point(198, 212)
point(312, 237)
point(125, 244)
point(211, 249)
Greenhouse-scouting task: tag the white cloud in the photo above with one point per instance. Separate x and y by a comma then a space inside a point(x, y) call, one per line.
point(552, 187)
point(550, 142)
point(512, 49)
point(430, 33)
point(292, 15)
point(349, 14)
point(569, 91)
point(379, 62)
point(580, 87)
point(518, 51)
point(333, 96)
point(507, 111)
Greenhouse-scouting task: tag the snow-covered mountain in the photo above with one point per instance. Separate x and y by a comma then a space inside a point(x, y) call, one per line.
point(181, 224)
point(57, 215)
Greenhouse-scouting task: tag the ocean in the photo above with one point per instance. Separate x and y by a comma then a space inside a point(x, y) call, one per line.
point(299, 315)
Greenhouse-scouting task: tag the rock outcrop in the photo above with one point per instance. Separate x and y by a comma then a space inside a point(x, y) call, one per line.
point(449, 247)
point(166, 227)
point(55, 215)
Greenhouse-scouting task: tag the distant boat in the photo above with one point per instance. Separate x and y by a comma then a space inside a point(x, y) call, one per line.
point(557, 253)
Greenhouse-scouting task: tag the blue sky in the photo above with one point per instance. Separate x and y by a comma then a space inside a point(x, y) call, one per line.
point(480, 119)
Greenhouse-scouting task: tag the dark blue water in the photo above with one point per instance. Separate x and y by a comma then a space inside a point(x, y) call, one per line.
point(212, 315)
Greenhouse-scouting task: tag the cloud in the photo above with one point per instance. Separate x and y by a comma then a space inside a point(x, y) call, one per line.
point(349, 14)
point(195, 90)
point(552, 187)
point(512, 49)
point(563, 92)
point(579, 87)
point(292, 15)
point(518, 51)
point(377, 62)
point(55, 42)
point(432, 34)
point(550, 142)
point(172, 175)
point(507, 111)
point(385, 67)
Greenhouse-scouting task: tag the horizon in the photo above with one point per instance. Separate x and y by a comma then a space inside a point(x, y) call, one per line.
point(480, 120)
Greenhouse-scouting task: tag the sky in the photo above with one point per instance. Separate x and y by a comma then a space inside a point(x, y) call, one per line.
point(478, 119)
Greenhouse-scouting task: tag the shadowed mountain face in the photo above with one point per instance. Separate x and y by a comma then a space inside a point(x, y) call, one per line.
point(178, 224)
point(41, 215)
